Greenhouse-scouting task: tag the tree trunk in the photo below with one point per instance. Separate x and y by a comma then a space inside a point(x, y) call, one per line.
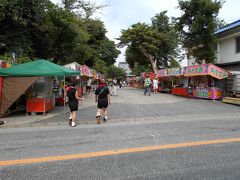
point(151, 59)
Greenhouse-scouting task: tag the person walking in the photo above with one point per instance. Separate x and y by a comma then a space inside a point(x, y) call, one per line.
point(67, 87)
point(73, 99)
point(102, 97)
point(114, 87)
point(147, 84)
point(155, 85)
point(120, 84)
point(89, 86)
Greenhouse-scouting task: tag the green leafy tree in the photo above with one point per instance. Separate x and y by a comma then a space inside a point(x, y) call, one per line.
point(157, 43)
point(134, 57)
point(197, 25)
point(22, 25)
point(107, 51)
point(101, 66)
point(139, 69)
point(66, 36)
point(101, 47)
point(169, 45)
point(174, 63)
point(116, 72)
point(40, 29)
point(84, 9)
point(144, 38)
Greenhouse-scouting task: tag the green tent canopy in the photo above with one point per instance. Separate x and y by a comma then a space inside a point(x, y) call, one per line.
point(37, 68)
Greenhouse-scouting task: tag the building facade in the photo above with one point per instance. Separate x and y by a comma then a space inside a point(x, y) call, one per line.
point(228, 47)
point(125, 66)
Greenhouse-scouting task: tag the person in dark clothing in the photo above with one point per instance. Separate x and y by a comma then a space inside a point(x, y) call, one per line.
point(103, 99)
point(73, 99)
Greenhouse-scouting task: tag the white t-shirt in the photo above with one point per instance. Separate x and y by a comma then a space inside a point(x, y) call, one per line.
point(89, 82)
point(155, 83)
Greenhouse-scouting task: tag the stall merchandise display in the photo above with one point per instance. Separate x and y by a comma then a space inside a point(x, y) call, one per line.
point(42, 96)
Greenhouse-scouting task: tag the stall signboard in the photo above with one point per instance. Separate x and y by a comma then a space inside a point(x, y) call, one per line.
point(205, 69)
point(176, 71)
point(170, 72)
point(207, 93)
point(85, 71)
point(196, 70)
point(201, 93)
point(217, 72)
point(161, 72)
point(94, 73)
point(4, 64)
point(74, 66)
point(150, 74)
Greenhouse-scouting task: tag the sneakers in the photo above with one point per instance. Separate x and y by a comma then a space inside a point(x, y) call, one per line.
point(104, 119)
point(74, 124)
point(2, 122)
point(98, 119)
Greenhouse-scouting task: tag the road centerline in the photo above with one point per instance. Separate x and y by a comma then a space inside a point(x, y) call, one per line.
point(115, 152)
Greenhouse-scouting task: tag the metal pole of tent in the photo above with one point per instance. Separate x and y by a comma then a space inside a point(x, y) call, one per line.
point(64, 97)
point(81, 89)
point(44, 96)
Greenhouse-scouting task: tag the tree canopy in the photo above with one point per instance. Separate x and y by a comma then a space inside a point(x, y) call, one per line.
point(197, 25)
point(116, 72)
point(65, 33)
point(69, 32)
point(156, 44)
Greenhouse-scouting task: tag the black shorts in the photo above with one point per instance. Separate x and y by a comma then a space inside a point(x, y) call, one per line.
point(88, 87)
point(102, 103)
point(73, 105)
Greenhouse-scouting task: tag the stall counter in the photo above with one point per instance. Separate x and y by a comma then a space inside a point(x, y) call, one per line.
point(207, 93)
point(180, 91)
point(37, 105)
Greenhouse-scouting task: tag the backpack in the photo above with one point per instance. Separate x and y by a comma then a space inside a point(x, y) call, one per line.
point(147, 82)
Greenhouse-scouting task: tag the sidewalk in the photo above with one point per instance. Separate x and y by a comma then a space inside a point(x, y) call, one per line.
point(20, 119)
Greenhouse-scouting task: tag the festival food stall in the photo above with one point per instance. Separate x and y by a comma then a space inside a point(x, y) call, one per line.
point(206, 80)
point(85, 75)
point(202, 81)
point(165, 80)
point(21, 78)
point(131, 80)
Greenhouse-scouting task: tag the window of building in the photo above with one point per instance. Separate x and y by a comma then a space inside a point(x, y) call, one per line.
point(238, 45)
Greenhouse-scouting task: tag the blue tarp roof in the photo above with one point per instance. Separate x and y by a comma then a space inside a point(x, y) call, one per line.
point(228, 27)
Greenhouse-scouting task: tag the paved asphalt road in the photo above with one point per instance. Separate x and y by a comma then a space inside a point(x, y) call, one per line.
point(156, 137)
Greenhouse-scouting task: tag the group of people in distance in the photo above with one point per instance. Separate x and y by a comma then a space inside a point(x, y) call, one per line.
point(148, 83)
point(102, 97)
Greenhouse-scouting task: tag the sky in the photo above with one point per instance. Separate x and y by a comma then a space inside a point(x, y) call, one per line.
point(121, 14)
